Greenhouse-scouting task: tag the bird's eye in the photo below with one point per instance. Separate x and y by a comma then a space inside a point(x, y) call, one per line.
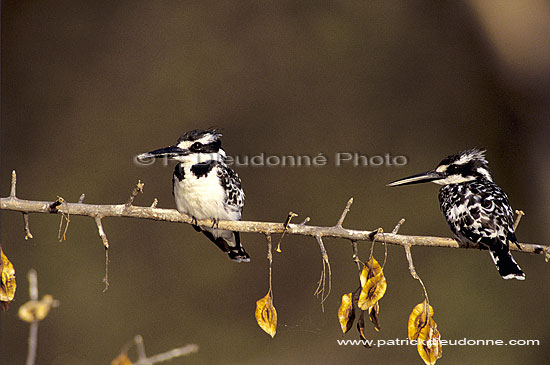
point(196, 145)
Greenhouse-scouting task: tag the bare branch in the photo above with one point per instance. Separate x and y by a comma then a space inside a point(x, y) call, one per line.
point(344, 213)
point(168, 355)
point(162, 357)
point(172, 215)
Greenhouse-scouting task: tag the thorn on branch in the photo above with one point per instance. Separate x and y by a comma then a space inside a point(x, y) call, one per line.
point(291, 215)
point(305, 221)
point(519, 214)
point(398, 226)
point(154, 204)
point(13, 182)
point(28, 233)
point(321, 286)
point(344, 213)
point(81, 199)
point(53, 206)
point(137, 189)
point(106, 244)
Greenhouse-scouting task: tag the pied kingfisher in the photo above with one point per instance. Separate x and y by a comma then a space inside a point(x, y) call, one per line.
point(204, 187)
point(475, 208)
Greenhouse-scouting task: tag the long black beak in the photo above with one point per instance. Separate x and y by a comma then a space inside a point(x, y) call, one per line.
point(168, 152)
point(418, 178)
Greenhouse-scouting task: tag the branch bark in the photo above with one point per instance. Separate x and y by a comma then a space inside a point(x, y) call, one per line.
point(171, 215)
point(60, 206)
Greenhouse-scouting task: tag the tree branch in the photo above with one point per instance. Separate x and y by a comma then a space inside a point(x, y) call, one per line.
point(60, 206)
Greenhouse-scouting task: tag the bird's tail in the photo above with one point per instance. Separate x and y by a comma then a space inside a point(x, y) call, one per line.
point(507, 267)
point(227, 241)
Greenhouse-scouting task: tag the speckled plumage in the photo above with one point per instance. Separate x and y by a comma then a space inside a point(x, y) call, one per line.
point(475, 208)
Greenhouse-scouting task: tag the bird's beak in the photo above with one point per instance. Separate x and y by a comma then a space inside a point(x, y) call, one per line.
point(418, 178)
point(168, 152)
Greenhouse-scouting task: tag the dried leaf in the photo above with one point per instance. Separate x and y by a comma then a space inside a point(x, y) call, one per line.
point(373, 314)
point(371, 269)
point(374, 285)
point(346, 312)
point(36, 310)
point(429, 343)
point(361, 329)
point(418, 319)
point(266, 315)
point(7, 283)
point(423, 329)
point(121, 359)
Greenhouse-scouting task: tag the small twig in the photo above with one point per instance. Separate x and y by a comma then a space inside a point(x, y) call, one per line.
point(398, 226)
point(155, 202)
point(13, 182)
point(321, 286)
point(137, 189)
point(344, 213)
point(33, 331)
point(285, 227)
point(106, 244)
point(140, 348)
point(355, 255)
point(81, 199)
point(413, 270)
point(165, 356)
point(520, 213)
point(28, 233)
point(305, 221)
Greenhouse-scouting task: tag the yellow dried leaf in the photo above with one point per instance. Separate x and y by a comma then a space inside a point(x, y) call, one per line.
point(373, 314)
point(36, 310)
point(121, 359)
point(418, 319)
point(7, 282)
point(266, 315)
point(429, 343)
point(346, 312)
point(371, 269)
point(373, 290)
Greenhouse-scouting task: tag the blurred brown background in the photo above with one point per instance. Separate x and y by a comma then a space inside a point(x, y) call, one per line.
point(87, 85)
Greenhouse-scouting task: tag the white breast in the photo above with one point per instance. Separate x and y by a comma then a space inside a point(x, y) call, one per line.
point(204, 197)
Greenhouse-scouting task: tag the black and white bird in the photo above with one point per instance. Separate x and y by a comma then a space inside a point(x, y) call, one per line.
point(204, 187)
point(475, 208)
